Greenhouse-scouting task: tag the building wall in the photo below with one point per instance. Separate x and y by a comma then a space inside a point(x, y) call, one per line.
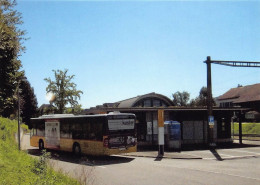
point(194, 126)
point(194, 132)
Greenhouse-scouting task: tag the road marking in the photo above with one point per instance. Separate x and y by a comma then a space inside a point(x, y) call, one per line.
point(209, 171)
point(91, 164)
point(211, 153)
point(195, 155)
point(221, 154)
point(102, 167)
point(245, 151)
point(209, 158)
point(230, 157)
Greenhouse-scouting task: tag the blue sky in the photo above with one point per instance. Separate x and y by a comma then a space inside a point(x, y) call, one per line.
point(119, 49)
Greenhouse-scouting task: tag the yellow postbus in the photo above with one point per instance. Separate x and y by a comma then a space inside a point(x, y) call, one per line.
point(102, 134)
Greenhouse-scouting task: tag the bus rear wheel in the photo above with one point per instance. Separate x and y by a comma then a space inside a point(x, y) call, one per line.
point(76, 150)
point(41, 145)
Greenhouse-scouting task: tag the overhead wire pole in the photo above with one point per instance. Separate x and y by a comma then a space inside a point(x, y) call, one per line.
point(210, 125)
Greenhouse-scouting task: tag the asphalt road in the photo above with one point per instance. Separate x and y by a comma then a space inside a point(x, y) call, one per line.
point(119, 170)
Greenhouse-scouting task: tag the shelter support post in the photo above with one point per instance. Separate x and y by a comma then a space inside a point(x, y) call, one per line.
point(240, 128)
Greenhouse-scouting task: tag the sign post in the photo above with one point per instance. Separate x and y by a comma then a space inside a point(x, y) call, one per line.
point(161, 132)
point(211, 130)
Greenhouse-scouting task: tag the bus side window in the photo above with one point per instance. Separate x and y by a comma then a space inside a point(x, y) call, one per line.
point(65, 130)
point(40, 128)
point(34, 130)
point(86, 130)
point(99, 131)
point(77, 131)
point(96, 130)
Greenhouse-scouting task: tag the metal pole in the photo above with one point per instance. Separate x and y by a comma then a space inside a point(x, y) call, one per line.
point(209, 87)
point(152, 130)
point(240, 128)
point(19, 141)
point(233, 127)
point(209, 103)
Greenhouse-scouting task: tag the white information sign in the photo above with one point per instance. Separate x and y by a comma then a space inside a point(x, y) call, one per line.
point(52, 133)
point(149, 128)
point(155, 127)
point(121, 124)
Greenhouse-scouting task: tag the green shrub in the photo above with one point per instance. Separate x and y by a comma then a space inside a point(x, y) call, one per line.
point(17, 167)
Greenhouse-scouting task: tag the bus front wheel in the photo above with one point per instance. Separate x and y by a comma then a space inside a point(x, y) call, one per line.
point(76, 150)
point(41, 145)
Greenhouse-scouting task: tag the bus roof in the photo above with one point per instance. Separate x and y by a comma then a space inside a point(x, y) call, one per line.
point(58, 116)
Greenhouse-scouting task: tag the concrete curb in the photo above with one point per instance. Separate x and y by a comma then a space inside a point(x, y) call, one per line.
point(191, 158)
point(239, 157)
point(160, 157)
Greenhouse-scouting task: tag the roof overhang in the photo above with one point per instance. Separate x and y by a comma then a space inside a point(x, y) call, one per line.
point(174, 109)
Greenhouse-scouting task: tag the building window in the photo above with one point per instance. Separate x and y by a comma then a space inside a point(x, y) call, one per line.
point(156, 103)
point(147, 103)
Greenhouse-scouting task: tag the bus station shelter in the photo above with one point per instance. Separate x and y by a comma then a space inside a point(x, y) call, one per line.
point(194, 121)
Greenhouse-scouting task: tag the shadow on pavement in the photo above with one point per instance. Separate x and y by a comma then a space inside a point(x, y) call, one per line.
point(84, 159)
point(215, 153)
point(158, 158)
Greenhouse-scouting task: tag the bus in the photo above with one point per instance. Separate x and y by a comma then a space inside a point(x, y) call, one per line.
point(102, 134)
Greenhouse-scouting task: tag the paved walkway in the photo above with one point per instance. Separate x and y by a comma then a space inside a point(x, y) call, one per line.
point(233, 151)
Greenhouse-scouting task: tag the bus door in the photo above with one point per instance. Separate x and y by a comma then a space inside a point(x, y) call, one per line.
point(52, 134)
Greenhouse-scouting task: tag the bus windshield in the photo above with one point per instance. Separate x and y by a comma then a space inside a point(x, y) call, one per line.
point(121, 124)
point(121, 131)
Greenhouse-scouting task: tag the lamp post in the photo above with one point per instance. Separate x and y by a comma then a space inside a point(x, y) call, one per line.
point(19, 111)
point(19, 141)
point(209, 104)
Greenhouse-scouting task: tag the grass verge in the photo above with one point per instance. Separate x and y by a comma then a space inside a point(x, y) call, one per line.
point(247, 128)
point(17, 167)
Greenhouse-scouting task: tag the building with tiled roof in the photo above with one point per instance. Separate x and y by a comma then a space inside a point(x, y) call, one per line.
point(244, 96)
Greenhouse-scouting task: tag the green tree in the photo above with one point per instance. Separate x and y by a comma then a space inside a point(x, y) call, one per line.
point(63, 89)
point(77, 109)
point(28, 102)
point(11, 40)
point(181, 98)
point(201, 100)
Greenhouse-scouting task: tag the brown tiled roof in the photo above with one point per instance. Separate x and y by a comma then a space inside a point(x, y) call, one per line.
point(242, 94)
